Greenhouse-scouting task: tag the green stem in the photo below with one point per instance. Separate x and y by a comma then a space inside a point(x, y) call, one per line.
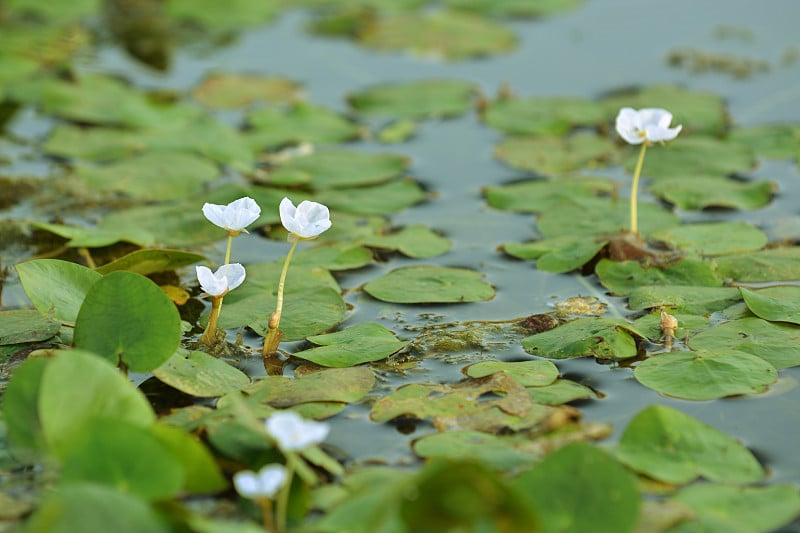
point(228, 250)
point(273, 336)
point(267, 519)
point(283, 495)
point(210, 334)
point(635, 190)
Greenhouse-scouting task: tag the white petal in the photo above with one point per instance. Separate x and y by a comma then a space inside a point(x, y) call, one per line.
point(215, 214)
point(244, 212)
point(292, 432)
point(313, 219)
point(247, 483)
point(628, 125)
point(209, 282)
point(271, 478)
point(233, 275)
point(288, 213)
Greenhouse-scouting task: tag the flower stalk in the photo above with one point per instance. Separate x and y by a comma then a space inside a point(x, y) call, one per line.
point(635, 190)
point(274, 334)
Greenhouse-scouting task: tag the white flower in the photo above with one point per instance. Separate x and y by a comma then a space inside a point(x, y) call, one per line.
point(292, 432)
point(221, 282)
point(648, 124)
point(262, 484)
point(307, 220)
point(235, 216)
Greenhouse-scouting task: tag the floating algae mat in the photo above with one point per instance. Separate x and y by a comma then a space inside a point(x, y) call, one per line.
point(474, 331)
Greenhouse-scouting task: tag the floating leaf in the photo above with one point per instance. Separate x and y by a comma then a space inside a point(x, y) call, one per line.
point(199, 374)
point(560, 254)
point(430, 284)
point(527, 373)
point(428, 98)
point(776, 304)
point(770, 265)
point(770, 141)
point(334, 256)
point(581, 488)
point(147, 262)
point(152, 175)
point(273, 127)
point(448, 35)
point(57, 12)
point(346, 385)
point(556, 155)
point(55, 286)
point(690, 300)
point(232, 15)
point(398, 131)
point(414, 241)
point(502, 453)
point(22, 325)
point(650, 325)
point(231, 91)
point(600, 217)
point(701, 192)
point(703, 155)
point(554, 116)
point(357, 344)
point(669, 446)
point(706, 375)
point(514, 8)
point(714, 238)
point(775, 343)
point(345, 168)
point(621, 278)
point(697, 111)
point(603, 338)
point(96, 144)
point(532, 196)
point(719, 507)
point(128, 320)
point(383, 199)
point(560, 392)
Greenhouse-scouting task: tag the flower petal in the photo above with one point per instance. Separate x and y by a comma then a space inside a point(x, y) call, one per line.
point(233, 274)
point(292, 432)
point(209, 282)
point(235, 216)
point(307, 220)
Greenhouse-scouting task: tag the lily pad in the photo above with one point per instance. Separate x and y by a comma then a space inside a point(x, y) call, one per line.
point(147, 262)
point(502, 453)
point(345, 385)
point(560, 254)
point(532, 196)
point(334, 256)
point(719, 507)
point(561, 391)
point(621, 278)
point(276, 126)
point(690, 300)
point(414, 241)
point(701, 192)
point(706, 375)
point(441, 34)
point(527, 373)
point(581, 488)
point(57, 287)
point(358, 344)
point(224, 16)
point(419, 99)
point(714, 238)
point(18, 326)
point(770, 141)
point(553, 116)
point(337, 168)
point(430, 284)
point(703, 155)
point(603, 338)
point(383, 199)
point(556, 155)
point(650, 325)
point(128, 320)
point(201, 375)
point(776, 304)
point(600, 217)
point(669, 446)
point(778, 344)
point(514, 8)
point(96, 144)
point(152, 175)
point(230, 91)
point(774, 264)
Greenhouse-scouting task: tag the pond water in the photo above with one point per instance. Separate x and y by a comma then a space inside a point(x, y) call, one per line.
point(602, 46)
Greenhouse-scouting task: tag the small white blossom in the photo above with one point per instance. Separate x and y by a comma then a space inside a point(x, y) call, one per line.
point(292, 432)
point(235, 216)
point(648, 124)
point(262, 484)
point(307, 221)
point(221, 282)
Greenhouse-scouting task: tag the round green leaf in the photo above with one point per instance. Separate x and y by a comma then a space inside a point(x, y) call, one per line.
point(514, 8)
point(621, 278)
point(26, 325)
point(498, 452)
point(581, 488)
point(650, 325)
point(383, 199)
point(776, 304)
point(770, 265)
point(96, 144)
point(355, 345)
point(150, 261)
point(199, 374)
point(603, 338)
point(527, 373)
point(556, 155)
point(78, 387)
point(532, 196)
point(125, 456)
point(126, 318)
point(427, 98)
point(555, 116)
point(560, 254)
point(703, 155)
point(701, 192)
point(561, 391)
point(414, 241)
point(690, 300)
point(56, 286)
point(706, 375)
point(273, 127)
point(229, 91)
point(430, 284)
point(778, 344)
point(346, 385)
point(344, 168)
point(334, 256)
point(670, 446)
point(714, 238)
point(770, 141)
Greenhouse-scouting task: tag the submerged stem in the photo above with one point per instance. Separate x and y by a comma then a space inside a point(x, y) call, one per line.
point(273, 337)
point(635, 190)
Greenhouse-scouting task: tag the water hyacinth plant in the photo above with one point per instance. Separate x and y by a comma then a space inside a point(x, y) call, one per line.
point(643, 126)
point(305, 222)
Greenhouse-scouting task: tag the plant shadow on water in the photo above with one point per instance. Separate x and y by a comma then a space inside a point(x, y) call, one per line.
point(481, 327)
